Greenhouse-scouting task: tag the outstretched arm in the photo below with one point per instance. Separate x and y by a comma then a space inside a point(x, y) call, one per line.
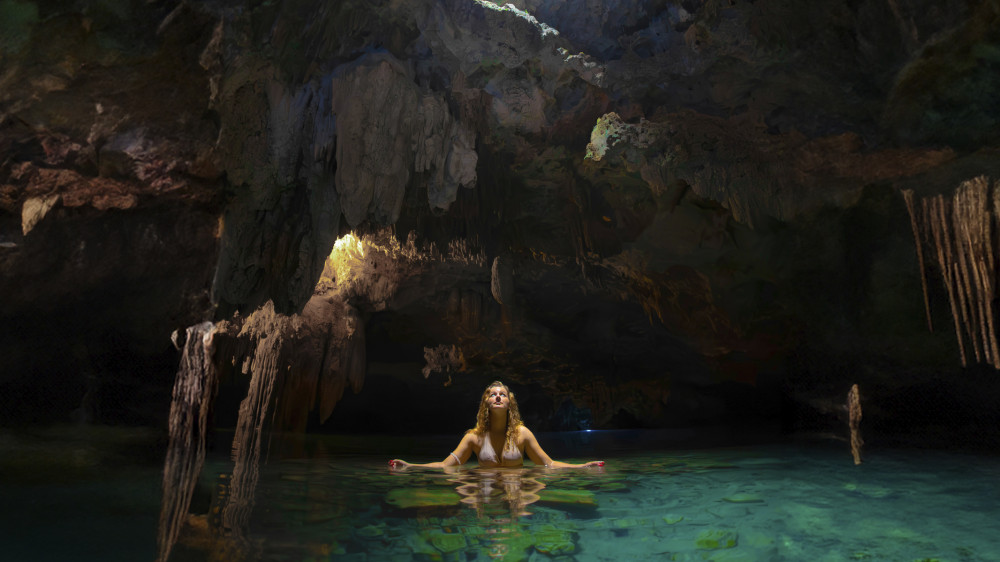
point(455, 458)
point(538, 455)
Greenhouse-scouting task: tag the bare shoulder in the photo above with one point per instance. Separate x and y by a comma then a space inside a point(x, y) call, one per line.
point(471, 439)
point(524, 434)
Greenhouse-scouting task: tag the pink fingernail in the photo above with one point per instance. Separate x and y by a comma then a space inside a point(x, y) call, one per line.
point(601, 463)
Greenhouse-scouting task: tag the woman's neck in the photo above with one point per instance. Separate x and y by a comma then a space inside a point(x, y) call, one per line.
point(498, 423)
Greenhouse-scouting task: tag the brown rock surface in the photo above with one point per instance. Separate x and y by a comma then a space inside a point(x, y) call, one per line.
point(734, 247)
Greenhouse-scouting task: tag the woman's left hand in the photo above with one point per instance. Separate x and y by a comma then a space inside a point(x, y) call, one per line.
point(594, 463)
point(398, 464)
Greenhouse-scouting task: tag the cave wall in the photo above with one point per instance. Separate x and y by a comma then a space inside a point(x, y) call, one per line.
point(642, 213)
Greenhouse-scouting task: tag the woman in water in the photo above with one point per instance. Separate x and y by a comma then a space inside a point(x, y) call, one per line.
point(498, 421)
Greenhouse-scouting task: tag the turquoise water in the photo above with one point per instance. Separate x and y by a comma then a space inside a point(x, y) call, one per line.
point(330, 498)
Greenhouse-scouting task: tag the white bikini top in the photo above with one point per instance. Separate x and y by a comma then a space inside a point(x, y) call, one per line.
point(487, 454)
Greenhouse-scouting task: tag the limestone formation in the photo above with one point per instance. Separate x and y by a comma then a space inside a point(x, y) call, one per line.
point(443, 358)
point(388, 129)
point(194, 391)
point(34, 210)
point(502, 280)
point(737, 240)
point(854, 422)
point(962, 231)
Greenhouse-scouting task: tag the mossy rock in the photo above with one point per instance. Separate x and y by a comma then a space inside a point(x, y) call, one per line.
point(554, 543)
point(422, 497)
point(580, 497)
point(628, 522)
point(511, 547)
point(713, 539)
point(369, 532)
point(419, 545)
point(448, 542)
point(743, 498)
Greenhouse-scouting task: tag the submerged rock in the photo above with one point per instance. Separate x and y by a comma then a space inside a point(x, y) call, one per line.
point(422, 497)
point(582, 497)
point(743, 498)
point(714, 539)
point(447, 542)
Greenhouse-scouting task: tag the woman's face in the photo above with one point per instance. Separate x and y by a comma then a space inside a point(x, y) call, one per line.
point(498, 398)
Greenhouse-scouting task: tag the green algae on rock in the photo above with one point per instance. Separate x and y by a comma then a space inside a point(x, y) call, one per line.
point(422, 497)
point(713, 539)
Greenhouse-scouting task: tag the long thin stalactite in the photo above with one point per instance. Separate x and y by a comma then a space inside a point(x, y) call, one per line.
point(908, 198)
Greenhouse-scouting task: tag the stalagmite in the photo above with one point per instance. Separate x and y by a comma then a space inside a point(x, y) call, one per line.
point(854, 421)
point(194, 390)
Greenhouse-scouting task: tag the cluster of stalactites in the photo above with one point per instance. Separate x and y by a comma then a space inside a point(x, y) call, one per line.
point(297, 364)
point(959, 234)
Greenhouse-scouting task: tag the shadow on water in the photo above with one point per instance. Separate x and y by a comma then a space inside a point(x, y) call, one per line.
point(79, 492)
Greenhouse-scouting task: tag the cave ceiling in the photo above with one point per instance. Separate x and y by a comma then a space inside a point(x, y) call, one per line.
point(640, 208)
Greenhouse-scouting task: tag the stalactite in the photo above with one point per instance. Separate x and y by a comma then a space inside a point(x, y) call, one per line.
point(296, 363)
point(961, 214)
point(854, 422)
point(962, 230)
point(267, 330)
point(939, 228)
point(443, 358)
point(975, 222)
point(194, 390)
point(502, 280)
point(908, 198)
point(963, 306)
point(989, 292)
point(954, 274)
point(343, 353)
point(353, 356)
point(472, 305)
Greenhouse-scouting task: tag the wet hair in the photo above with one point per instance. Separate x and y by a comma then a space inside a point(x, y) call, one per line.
point(513, 415)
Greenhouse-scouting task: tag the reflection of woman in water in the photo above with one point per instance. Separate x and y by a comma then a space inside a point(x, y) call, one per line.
point(484, 489)
point(498, 421)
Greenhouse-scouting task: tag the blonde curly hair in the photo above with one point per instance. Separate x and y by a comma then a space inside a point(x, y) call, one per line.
point(514, 422)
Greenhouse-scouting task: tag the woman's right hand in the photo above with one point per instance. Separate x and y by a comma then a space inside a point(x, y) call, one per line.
point(398, 464)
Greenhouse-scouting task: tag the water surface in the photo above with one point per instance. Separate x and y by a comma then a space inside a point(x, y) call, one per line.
point(333, 498)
